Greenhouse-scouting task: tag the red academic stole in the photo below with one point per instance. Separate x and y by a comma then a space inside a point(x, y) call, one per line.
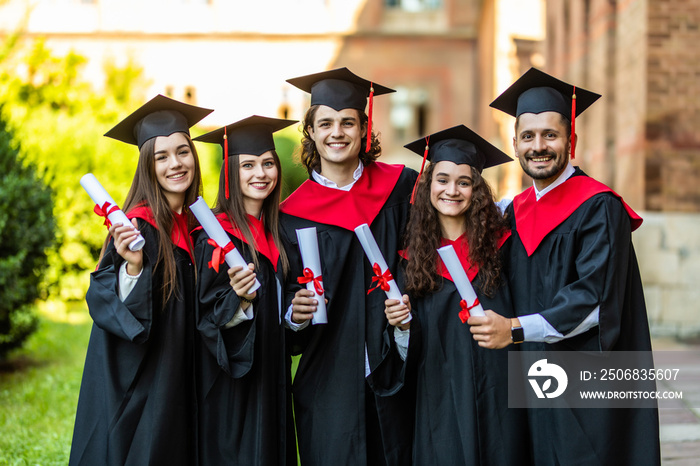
point(462, 249)
point(264, 243)
point(179, 234)
point(345, 209)
point(536, 219)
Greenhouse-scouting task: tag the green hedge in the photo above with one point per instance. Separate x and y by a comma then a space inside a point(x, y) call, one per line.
point(27, 231)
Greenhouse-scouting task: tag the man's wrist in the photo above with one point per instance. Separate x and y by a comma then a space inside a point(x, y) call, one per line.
point(517, 335)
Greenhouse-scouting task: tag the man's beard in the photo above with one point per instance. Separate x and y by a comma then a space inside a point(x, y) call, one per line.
point(559, 164)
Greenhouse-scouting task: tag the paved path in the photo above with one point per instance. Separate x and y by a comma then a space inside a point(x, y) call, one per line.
point(679, 419)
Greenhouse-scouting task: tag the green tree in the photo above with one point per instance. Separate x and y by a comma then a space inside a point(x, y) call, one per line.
point(27, 231)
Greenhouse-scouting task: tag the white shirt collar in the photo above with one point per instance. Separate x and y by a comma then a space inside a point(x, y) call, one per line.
point(323, 181)
point(568, 171)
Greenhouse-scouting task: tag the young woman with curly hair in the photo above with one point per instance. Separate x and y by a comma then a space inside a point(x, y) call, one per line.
point(461, 408)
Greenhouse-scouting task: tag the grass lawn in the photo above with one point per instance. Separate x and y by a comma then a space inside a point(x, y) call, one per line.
point(39, 387)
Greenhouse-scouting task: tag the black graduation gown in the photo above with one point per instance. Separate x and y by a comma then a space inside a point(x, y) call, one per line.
point(460, 390)
point(586, 261)
point(137, 400)
point(245, 417)
point(331, 396)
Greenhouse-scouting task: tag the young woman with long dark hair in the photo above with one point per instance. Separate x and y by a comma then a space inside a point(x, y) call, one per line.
point(244, 411)
point(137, 399)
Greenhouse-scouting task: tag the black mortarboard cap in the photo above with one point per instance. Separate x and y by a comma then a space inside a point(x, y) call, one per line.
point(338, 89)
point(460, 145)
point(537, 92)
point(160, 116)
point(252, 135)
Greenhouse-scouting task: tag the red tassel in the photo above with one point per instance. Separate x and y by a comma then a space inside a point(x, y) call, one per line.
point(425, 157)
point(573, 125)
point(369, 118)
point(225, 163)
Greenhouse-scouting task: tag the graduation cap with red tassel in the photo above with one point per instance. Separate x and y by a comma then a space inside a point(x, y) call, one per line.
point(459, 145)
point(340, 89)
point(251, 136)
point(536, 92)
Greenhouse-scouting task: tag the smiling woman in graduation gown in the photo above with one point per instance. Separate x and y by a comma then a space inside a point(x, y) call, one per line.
point(137, 398)
point(245, 411)
point(461, 408)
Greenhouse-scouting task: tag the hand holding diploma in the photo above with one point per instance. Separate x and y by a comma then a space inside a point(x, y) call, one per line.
point(106, 207)
point(224, 249)
point(312, 278)
point(470, 303)
point(382, 274)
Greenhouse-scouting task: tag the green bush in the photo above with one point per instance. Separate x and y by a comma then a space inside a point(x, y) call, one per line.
point(27, 231)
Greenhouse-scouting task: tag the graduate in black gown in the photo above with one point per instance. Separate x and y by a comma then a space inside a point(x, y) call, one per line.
point(244, 411)
point(339, 419)
point(137, 400)
point(461, 407)
point(573, 275)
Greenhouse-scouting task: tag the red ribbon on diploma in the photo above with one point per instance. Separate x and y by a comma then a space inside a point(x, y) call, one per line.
point(464, 313)
point(382, 279)
point(104, 211)
point(218, 256)
point(309, 277)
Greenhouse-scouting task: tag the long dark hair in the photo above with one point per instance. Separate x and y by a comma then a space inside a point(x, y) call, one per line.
point(484, 223)
point(235, 210)
point(310, 157)
point(145, 190)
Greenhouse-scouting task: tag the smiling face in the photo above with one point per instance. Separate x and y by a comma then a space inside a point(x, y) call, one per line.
point(542, 145)
point(451, 190)
point(338, 136)
point(174, 167)
point(258, 175)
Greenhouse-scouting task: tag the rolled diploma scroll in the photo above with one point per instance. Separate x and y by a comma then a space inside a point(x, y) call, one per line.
point(374, 254)
point(459, 276)
point(308, 246)
point(99, 196)
point(211, 225)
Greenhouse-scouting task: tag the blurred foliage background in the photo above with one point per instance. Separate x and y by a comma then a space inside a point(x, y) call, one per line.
point(59, 120)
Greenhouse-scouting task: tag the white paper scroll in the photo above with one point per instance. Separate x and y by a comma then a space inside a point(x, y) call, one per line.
point(459, 276)
point(99, 196)
point(308, 246)
point(374, 254)
point(211, 225)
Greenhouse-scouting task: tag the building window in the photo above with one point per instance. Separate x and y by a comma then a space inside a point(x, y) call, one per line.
point(413, 5)
point(409, 112)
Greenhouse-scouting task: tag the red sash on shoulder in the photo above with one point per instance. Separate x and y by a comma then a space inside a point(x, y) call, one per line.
point(179, 235)
point(536, 219)
point(264, 243)
point(462, 249)
point(345, 209)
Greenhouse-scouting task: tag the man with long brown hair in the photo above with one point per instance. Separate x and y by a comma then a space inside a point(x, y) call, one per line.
point(339, 419)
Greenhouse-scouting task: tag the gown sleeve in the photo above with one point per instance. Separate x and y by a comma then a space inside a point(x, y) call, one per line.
point(131, 319)
point(217, 304)
point(603, 245)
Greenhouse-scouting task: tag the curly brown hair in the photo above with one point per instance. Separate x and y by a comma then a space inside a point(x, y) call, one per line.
point(310, 157)
point(485, 226)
